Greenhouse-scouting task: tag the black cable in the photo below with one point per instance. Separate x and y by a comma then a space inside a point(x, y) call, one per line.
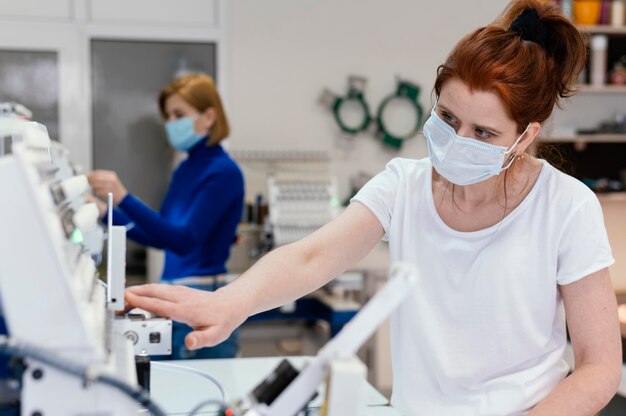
point(208, 402)
point(137, 394)
point(29, 351)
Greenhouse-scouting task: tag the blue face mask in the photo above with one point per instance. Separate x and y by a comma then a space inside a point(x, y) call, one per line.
point(463, 160)
point(180, 134)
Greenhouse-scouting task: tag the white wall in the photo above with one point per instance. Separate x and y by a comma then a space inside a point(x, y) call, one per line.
point(282, 53)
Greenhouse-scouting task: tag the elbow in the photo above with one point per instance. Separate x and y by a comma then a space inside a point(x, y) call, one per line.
point(611, 385)
point(608, 382)
point(601, 377)
point(614, 371)
point(616, 379)
point(182, 250)
point(181, 246)
point(308, 253)
point(302, 253)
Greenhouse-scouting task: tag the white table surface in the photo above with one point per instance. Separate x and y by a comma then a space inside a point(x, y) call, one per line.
point(178, 393)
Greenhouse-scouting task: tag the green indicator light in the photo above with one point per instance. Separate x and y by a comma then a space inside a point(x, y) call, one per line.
point(77, 236)
point(334, 202)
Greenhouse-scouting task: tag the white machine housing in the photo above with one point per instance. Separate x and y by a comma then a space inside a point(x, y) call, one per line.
point(336, 357)
point(49, 287)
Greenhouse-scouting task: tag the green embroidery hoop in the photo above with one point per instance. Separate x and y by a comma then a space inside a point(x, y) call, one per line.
point(355, 94)
point(410, 93)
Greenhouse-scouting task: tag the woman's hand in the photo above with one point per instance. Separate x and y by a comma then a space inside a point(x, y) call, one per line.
point(212, 316)
point(104, 182)
point(102, 207)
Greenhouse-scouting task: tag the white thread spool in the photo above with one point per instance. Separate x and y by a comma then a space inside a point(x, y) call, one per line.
point(599, 45)
point(617, 13)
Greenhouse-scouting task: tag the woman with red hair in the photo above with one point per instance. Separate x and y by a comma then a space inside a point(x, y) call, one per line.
point(507, 246)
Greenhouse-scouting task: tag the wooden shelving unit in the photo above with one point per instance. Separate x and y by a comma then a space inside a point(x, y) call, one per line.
point(589, 138)
point(605, 89)
point(612, 196)
point(613, 203)
point(606, 29)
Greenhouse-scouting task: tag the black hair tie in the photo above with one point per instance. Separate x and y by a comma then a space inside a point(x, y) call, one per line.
point(529, 26)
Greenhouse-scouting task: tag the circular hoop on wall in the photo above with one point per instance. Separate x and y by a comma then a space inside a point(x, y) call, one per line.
point(409, 93)
point(353, 97)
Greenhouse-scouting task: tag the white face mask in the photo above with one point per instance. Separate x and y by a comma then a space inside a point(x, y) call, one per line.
point(463, 160)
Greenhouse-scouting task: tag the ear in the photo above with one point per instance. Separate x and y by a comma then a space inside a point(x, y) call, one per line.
point(208, 117)
point(529, 137)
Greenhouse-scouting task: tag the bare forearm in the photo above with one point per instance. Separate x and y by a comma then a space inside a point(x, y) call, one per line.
point(278, 278)
point(292, 271)
point(585, 392)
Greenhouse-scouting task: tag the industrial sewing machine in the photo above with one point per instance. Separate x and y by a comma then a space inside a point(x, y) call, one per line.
point(77, 357)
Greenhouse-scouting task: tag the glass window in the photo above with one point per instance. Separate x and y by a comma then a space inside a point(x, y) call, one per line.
point(31, 78)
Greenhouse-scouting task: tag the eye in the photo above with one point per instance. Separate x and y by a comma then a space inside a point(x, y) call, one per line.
point(482, 134)
point(448, 118)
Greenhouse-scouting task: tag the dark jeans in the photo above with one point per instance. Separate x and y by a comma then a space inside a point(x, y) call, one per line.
point(227, 349)
point(4, 359)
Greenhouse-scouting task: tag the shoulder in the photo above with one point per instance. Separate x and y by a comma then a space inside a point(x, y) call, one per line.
point(225, 167)
point(409, 168)
point(399, 177)
point(391, 188)
point(565, 196)
point(400, 174)
point(566, 189)
point(220, 172)
point(228, 166)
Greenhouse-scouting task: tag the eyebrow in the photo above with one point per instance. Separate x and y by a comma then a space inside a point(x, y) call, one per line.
point(490, 129)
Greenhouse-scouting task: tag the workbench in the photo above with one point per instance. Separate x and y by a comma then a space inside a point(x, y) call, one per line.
point(178, 393)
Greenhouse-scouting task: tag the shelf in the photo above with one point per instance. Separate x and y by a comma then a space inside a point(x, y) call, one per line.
point(280, 155)
point(604, 89)
point(588, 138)
point(604, 29)
point(611, 196)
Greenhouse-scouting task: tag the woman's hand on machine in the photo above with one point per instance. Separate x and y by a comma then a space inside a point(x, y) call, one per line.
point(104, 182)
point(210, 314)
point(102, 207)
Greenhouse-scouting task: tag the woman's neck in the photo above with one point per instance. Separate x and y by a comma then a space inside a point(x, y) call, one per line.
point(516, 180)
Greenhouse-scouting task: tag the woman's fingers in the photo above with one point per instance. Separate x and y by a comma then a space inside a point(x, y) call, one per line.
point(102, 207)
point(172, 301)
point(171, 293)
point(182, 304)
point(103, 181)
point(206, 337)
point(156, 306)
point(98, 177)
point(101, 188)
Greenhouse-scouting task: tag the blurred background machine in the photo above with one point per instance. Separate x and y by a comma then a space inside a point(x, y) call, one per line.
point(300, 196)
point(299, 205)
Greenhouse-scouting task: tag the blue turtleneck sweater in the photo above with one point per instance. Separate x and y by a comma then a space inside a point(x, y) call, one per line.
point(198, 219)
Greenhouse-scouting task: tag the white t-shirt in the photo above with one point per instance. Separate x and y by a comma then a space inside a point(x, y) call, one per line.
point(484, 331)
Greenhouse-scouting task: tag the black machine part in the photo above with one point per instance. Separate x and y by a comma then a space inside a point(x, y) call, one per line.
point(274, 384)
point(142, 364)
